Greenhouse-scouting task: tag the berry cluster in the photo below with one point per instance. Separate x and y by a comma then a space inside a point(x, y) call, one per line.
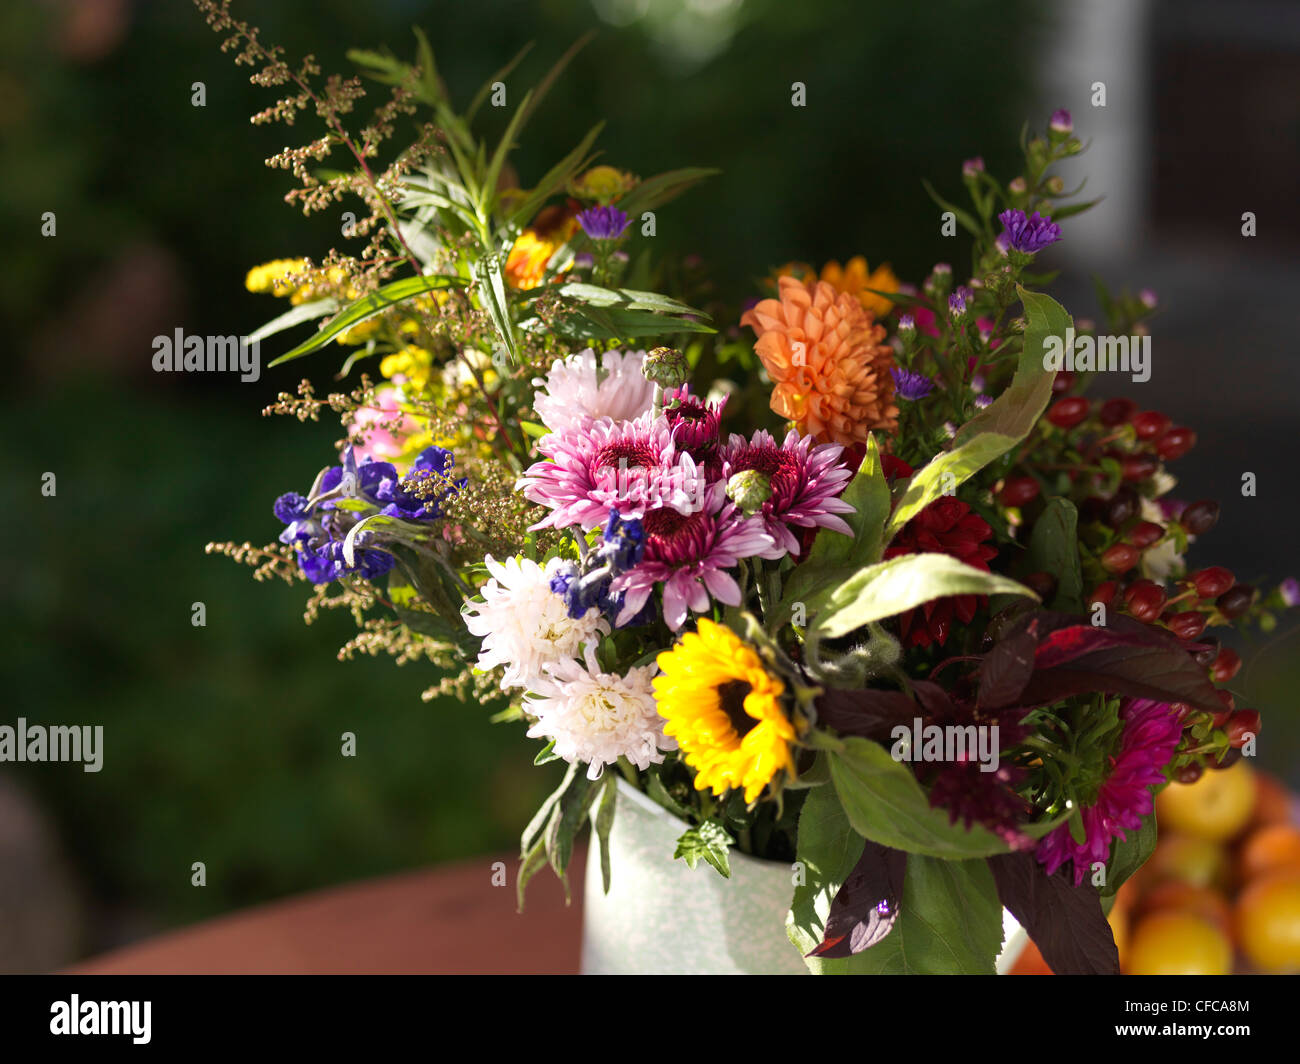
point(1108, 457)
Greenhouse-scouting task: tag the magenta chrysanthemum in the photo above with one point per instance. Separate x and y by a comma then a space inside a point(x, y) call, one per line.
point(695, 424)
point(628, 466)
point(806, 480)
point(690, 553)
point(1151, 734)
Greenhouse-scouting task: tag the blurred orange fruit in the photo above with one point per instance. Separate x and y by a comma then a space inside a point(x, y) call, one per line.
point(1030, 962)
point(1216, 807)
point(1269, 848)
point(1174, 896)
point(1178, 943)
point(1268, 921)
point(1186, 859)
point(1272, 801)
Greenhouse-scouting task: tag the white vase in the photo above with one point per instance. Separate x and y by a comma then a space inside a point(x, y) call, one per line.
point(662, 917)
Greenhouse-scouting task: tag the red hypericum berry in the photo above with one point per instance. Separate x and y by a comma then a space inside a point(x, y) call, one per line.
point(1228, 758)
point(1242, 723)
point(1066, 413)
point(1103, 593)
point(1229, 706)
point(1144, 534)
point(1226, 665)
point(1212, 582)
point(1235, 601)
point(1119, 557)
point(1150, 424)
point(1190, 772)
point(1187, 625)
point(1206, 652)
point(1145, 599)
point(1139, 466)
point(1062, 382)
point(1175, 443)
point(1123, 506)
point(1018, 491)
point(1042, 584)
point(1117, 411)
point(1199, 517)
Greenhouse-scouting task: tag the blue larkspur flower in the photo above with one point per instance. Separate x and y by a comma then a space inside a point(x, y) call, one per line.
point(1027, 234)
point(911, 386)
point(603, 223)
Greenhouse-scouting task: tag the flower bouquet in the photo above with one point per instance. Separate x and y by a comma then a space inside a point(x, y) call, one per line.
point(855, 582)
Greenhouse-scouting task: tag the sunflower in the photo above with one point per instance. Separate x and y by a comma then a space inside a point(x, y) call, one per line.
point(724, 709)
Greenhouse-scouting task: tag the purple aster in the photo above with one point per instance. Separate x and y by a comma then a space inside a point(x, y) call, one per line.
point(971, 167)
point(1061, 122)
point(1152, 731)
point(806, 481)
point(603, 223)
point(596, 466)
point(689, 554)
point(957, 303)
point(1028, 235)
point(1290, 591)
point(911, 386)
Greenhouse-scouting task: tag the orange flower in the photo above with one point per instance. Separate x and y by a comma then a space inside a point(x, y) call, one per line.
point(824, 353)
point(526, 263)
point(854, 279)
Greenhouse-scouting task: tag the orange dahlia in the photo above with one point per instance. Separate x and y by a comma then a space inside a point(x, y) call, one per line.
point(826, 358)
point(854, 278)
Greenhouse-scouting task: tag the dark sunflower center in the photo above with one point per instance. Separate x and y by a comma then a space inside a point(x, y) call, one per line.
point(731, 699)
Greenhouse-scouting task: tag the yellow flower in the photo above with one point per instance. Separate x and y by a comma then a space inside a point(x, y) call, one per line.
point(724, 709)
point(602, 183)
point(853, 279)
point(413, 364)
point(526, 263)
point(269, 277)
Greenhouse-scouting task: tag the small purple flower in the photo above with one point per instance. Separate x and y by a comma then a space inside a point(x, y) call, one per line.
point(1061, 122)
point(603, 223)
point(1290, 591)
point(1148, 298)
point(911, 386)
point(1028, 235)
point(957, 304)
point(971, 167)
point(290, 507)
point(584, 261)
point(906, 324)
point(983, 401)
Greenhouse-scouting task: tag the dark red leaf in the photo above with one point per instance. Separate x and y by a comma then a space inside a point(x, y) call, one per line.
point(1065, 921)
point(870, 714)
point(867, 905)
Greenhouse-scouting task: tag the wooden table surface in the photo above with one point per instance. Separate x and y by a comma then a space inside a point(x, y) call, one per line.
point(444, 920)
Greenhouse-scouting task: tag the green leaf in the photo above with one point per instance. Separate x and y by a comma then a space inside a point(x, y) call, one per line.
point(885, 803)
point(598, 323)
point(533, 831)
point(828, 850)
point(567, 819)
point(492, 294)
point(488, 191)
point(709, 842)
point(1000, 426)
point(900, 584)
point(547, 754)
point(552, 75)
point(657, 190)
point(604, 823)
point(1054, 548)
point(367, 307)
point(317, 308)
point(949, 922)
point(532, 428)
point(594, 295)
point(1128, 856)
point(835, 557)
point(1070, 210)
point(554, 180)
point(967, 220)
point(485, 90)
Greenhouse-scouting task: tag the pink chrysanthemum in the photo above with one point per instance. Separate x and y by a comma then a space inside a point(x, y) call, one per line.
point(696, 424)
point(628, 466)
point(575, 391)
point(1151, 734)
point(690, 555)
point(806, 480)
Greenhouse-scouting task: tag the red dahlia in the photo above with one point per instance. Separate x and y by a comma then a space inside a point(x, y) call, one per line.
point(946, 526)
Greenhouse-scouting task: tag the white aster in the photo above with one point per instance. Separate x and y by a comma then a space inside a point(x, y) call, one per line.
point(571, 392)
point(597, 717)
point(524, 625)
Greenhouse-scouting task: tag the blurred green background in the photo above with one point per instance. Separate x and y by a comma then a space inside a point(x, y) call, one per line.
point(222, 742)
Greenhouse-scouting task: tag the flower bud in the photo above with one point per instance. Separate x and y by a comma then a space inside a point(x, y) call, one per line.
point(1061, 123)
point(666, 367)
point(971, 168)
point(749, 489)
